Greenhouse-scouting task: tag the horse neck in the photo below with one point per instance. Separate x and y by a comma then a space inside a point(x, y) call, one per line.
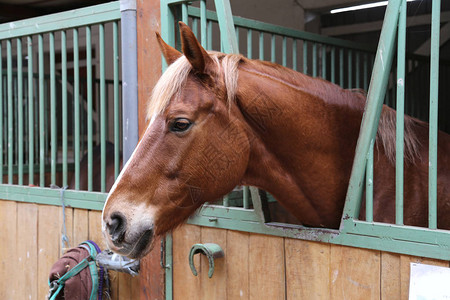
point(302, 142)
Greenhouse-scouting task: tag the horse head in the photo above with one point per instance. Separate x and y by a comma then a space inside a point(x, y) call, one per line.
point(195, 149)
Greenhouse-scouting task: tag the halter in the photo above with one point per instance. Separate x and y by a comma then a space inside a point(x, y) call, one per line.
point(57, 285)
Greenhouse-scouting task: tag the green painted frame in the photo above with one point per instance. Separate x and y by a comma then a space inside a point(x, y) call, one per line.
point(397, 238)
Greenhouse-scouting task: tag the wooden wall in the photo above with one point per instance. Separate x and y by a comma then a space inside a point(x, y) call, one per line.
point(267, 267)
point(30, 243)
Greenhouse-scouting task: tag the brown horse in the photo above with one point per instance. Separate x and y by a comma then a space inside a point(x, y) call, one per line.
point(220, 120)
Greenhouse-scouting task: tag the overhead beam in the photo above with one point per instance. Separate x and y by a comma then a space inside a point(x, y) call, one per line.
point(329, 4)
point(425, 48)
point(376, 25)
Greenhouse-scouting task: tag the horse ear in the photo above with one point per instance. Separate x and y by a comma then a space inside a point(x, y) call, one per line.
point(170, 54)
point(194, 52)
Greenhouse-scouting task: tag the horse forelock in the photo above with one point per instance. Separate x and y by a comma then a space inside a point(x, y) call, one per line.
point(174, 78)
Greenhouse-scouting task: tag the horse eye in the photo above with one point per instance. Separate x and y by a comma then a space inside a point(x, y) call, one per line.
point(180, 125)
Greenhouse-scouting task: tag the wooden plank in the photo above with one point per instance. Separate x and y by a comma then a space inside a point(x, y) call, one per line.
point(124, 282)
point(237, 260)
point(48, 245)
point(8, 235)
point(80, 226)
point(95, 228)
point(405, 262)
point(216, 286)
point(266, 267)
point(390, 276)
point(69, 227)
point(27, 260)
point(355, 273)
point(185, 284)
point(151, 274)
point(307, 269)
point(135, 288)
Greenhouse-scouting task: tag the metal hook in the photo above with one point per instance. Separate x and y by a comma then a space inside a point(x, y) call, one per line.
point(211, 251)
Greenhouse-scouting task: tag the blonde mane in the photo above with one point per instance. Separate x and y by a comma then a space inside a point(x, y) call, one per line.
point(173, 79)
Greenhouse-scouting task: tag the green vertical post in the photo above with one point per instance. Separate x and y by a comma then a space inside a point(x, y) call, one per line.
point(261, 45)
point(249, 44)
point(10, 110)
point(1, 114)
point(89, 105)
point(102, 120)
point(116, 100)
point(305, 57)
point(369, 184)
point(184, 13)
point(245, 197)
point(76, 107)
point(401, 50)
point(324, 61)
point(20, 110)
point(294, 55)
point(272, 48)
point(433, 136)
point(226, 201)
point(195, 27)
point(203, 23)
point(30, 111)
point(314, 62)
point(357, 70)
point(209, 40)
point(341, 67)
point(41, 112)
point(349, 68)
point(333, 67)
point(284, 51)
point(64, 105)
point(53, 148)
point(226, 25)
point(169, 266)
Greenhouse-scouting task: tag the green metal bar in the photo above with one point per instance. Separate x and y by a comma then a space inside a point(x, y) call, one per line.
point(184, 13)
point(341, 67)
point(203, 23)
point(62, 20)
point(284, 50)
point(76, 107)
point(226, 199)
point(372, 113)
point(369, 184)
point(294, 55)
point(401, 46)
point(102, 120)
point(272, 48)
point(2, 150)
point(168, 28)
point(226, 25)
point(249, 44)
point(41, 112)
point(89, 106)
point(116, 100)
point(195, 27)
point(245, 197)
point(314, 62)
point(305, 57)
point(324, 61)
point(10, 110)
point(20, 109)
point(64, 105)
point(52, 108)
point(169, 266)
point(349, 68)
point(333, 67)
point(261, 46)
point(357, 70)
point(209, 40)
point(433, 136)
point(30, 111)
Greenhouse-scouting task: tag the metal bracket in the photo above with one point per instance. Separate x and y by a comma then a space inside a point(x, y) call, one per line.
point(211, 251)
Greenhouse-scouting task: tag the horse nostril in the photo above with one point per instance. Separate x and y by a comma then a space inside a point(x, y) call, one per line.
point(117, 227)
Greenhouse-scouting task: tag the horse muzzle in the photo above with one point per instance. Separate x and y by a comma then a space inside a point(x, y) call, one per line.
point(131, 240)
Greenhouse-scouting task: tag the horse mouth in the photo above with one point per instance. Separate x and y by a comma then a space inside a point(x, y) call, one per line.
point(137, 249)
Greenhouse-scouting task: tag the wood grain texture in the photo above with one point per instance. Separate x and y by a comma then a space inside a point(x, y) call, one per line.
point(307, 269)
point(355, 273)
point(48, 244)
point(237, 264)
point(390, 276)
point(8, 256)
point(216, 286)
point(266, 267)
point(27, 260)
point(185, 284)
point(80, 226)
